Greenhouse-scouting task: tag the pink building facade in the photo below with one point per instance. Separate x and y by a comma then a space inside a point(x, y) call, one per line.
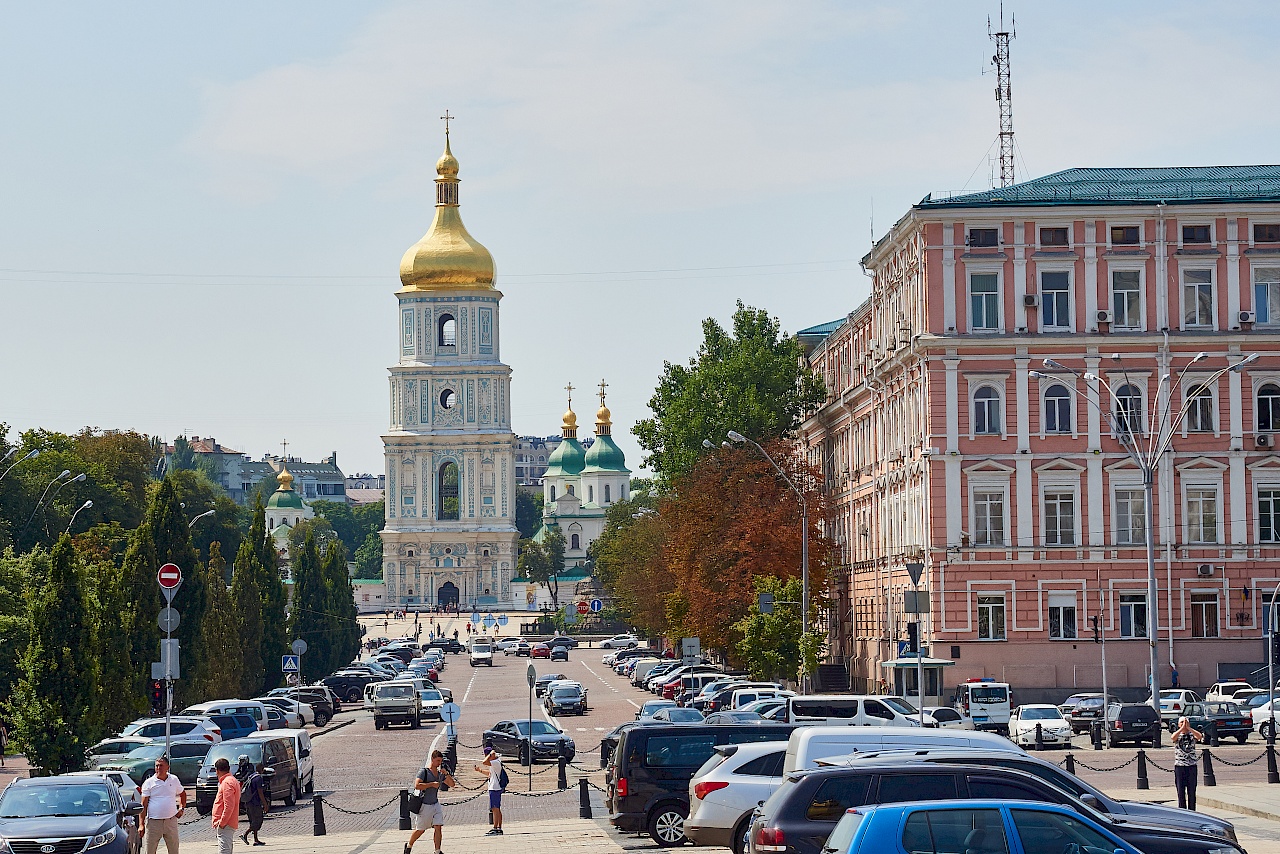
point(947, 441)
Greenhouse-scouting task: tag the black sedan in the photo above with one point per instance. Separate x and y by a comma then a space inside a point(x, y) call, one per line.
point(559, 653)
point(509, 737)
point(563, 640)
point(540, 686)
point(447, 645)
point(565, 700)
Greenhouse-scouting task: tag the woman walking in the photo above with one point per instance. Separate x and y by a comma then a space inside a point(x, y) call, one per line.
point(1185, 769)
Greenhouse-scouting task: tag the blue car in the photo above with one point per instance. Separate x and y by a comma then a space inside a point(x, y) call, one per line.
point(68, 814)
point(1016, 827)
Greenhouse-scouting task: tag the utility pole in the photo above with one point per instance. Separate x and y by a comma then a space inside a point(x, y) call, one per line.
point(1004, 93)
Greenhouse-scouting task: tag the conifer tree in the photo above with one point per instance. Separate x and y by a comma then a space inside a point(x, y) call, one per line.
point(246, 597)
point(117, 703)
point(345, 644)
point(219, 633)
point(275, 640)
point(309, 617)
point(171, 532)
point(54, 714)
point(138, 620)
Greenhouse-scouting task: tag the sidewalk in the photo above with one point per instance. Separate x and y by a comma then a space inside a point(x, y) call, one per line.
point(1259, 800)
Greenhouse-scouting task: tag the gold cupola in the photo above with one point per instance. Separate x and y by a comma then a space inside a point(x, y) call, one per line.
point(446, 256)
point(569, 423)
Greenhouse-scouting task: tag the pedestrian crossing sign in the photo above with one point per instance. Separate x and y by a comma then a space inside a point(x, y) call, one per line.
point(289, 663)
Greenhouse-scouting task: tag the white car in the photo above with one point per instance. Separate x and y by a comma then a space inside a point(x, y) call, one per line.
point(1173, 702)
point(297, 713)
point(153, 728)
point(130, 791)
point(508, 645)
point(620, 642)
point(1225, 692)
point(945, 717)
point(724, 795)
point(1262, 717)
point(1055, 730)
point(481, 653)
point(432, 701)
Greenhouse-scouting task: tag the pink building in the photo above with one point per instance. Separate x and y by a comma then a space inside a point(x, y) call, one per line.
point(942, 446)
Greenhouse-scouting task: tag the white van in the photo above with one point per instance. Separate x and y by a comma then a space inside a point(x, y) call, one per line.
point(301, 752)
point(986, 701)
point(852, 710)
point(809, 744)
point(230, 707)
point(749, 695)
point(641, 671)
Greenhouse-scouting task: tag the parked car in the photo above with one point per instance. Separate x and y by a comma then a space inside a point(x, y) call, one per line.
point(853, 710)
point(130, 791)
point(1055, 730)
point(274, 750)
point(547, 742)
point(1136, 722)
point(1226, 691)
point(649, 707)
point(1230, 719)
point(541, 683)
point(447, 645)
point(396, 702)
point(945, 717)
point(295, 708)
point(976, 825)
point(68, 814)
point(302, 754)
point(481, 653)
point(1262, 717)
point(1067, 705)
point(231, 707)
point(620, 642)
point(565, 699)
point(111, 749)
point(559, 652)
point(1173, 703)
point(277, 719)
point(731, 717)
point(185, 756)
point(152, 728)
point(234, 726)
point(809, 746)
point(563, 640)
point(349, 684)
point(804, 810)
point(727, 788)
point(1085, 713)
point(677, 715)
point(540, 650)
point(432, 701)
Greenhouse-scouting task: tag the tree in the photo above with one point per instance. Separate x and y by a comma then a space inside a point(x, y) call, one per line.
point(15, 627)
point(183, 457)
point(219, 632)
point(769, 644)
point(317, 528)
point(543, 562)
point(309, 616)
point(138, 621)
point(199, 494)
point(369, 557)
point(169, 529)
point(246, 596)
point(344, 645)
point(119, 699)
point(754, 381)
point(630, 563)
point(54, 713)
point(275, 641)
point(528, 512)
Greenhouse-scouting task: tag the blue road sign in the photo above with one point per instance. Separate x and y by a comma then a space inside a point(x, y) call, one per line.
point(502, 619)
point(490, 621)
point(475, 617)
point(289, 663)
point(596, 606)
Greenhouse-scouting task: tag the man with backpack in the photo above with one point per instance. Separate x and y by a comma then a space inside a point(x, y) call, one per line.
point(430, 782)
point(498, 781)
point(253, 797)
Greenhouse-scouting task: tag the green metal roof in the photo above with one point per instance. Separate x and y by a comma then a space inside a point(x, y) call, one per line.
point(284, 499)
point(605, 455)
point(566, 460)
point(1123, 186)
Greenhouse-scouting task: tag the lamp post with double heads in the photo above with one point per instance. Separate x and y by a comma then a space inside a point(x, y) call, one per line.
point(48, 486)
point(804, 550)
point(1126, 426)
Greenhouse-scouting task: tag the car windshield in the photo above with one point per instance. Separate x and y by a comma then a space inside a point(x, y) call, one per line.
point(399, 692)
point(1041, 715)
point(88, 798)
point(1222, 709)
point(480, 647)
point(1170, 695)
point(430, 694)
point(565, 693)
point(682, 715)
point(232, 752)
point(900, 706)
point(989, 695)
point(147, 751)
point(538, 727)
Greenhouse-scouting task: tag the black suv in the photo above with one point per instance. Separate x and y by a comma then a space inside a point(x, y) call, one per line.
point(805, 808)
point(650, 769)
point(1136, 722)
point(349, 685)
point(276, 754)
point(448, 645)
point(68, 814)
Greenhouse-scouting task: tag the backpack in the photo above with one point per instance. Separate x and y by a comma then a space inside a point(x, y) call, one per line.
point(503, 779)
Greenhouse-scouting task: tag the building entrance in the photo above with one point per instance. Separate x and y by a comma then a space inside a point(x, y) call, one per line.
point(447, 595)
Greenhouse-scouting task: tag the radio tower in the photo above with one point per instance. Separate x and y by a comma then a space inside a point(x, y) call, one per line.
point(1004, 93)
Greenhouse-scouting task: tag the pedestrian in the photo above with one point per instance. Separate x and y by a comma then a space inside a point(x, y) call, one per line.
point(255, 803)
point(492, 766)
point(455, 634)
point(164, 799)
point(468, 629)
point(1185, 769)
point(431, 781)
point(226, 806)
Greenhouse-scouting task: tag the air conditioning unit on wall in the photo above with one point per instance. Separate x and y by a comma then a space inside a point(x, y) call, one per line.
point(1204, 570)
point(1248, 317)
point(1104, 315)
point(1030, 300)
point(1263, 440)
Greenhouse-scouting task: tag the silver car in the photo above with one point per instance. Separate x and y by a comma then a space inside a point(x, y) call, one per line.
point(725, 791)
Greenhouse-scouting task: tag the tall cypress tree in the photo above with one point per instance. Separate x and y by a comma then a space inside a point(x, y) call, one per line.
point(219, 633)
point(247, 597)
point(171, 532)
point(117, 703)
point(345, 642)
point(275, 639)
point(54, 709)
point(139, 618)
point(309, 617)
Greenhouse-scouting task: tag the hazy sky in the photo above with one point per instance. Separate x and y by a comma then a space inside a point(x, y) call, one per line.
point(205, 205)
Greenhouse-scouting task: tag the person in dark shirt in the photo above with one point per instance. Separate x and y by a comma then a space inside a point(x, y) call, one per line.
point(255, 803)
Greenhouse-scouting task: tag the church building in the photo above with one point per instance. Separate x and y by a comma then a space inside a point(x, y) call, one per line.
point(450, 534)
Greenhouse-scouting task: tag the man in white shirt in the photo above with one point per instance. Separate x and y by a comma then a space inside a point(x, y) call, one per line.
point(164, 799)
point(492, 766)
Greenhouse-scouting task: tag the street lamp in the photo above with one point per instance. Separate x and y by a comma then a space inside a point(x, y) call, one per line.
point(65, 473)
point(1123, 421)
point(804, 550)
point(192, 523)
point(31, 456)
point(84, 506)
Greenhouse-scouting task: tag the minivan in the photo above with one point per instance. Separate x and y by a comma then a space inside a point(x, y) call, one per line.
point(808, 744)
point(274, 750)
point(301, 753)
point(852, 710)
point(650, 769)
point(231, 707)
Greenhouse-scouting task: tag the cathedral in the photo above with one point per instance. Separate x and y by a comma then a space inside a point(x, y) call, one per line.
point(450, 534)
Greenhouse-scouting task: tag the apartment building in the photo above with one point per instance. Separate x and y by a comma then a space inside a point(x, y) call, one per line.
point(946, 439)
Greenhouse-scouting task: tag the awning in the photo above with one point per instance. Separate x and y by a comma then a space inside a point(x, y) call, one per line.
point(910, 663)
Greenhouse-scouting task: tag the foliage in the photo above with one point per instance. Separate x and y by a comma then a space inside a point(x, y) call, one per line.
point(246, 596)
point(343, 645)
point(219, 632)
point(769, 644)
point(15, 572)
point(197, 494)
point(543, 562)
point(317, 528)
point(169, 531)
point(353, 525)
point(753, 380)
point(138, 621)
point(117, 702)
point(261, 491)
point(369, 557)
point(275, 641)
point(53, 711)
point(529, 505)
point(309, 617)
point(629, 561)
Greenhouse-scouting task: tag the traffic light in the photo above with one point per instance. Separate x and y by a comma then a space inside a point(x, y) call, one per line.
point(1097, 628)
point(913, 638)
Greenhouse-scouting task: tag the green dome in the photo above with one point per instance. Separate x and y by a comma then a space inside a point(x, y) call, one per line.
point(605, 455)
point(283, 499)
point(566, 460)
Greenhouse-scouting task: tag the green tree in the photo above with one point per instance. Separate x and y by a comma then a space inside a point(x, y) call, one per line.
point(15, 627)
point(345, 643)
point(54, 713)
point(183, 457)
point(219, 633)
point(369, 557)
point(138, 621)
point(199, 494)
point(309, 615)
point(753, 380)
point(246, 596)
point(543, 562)
point(118, 698)
point(318, 528)
point(275, 640)
point(169, 529)
point(528, 512)
point(770, 643)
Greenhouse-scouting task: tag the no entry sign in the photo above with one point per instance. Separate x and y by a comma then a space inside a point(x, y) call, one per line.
point(169, 576)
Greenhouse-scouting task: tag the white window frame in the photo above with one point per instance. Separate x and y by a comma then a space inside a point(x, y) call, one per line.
point(972, 270)
point(1190, 384)
point(984, 485)
point(1116, 489)
point(1141, 270)
point(1213, 232)
point(1133, 247)
point(1197, 485)
point(1133, 624)
point(1212, 270)
point(1069, 270)
point(1045, 387)
point(1259, 381)
point(1058, 488)
point(1260, 487)
point(1273, 317)
point(973, 409)
point(1060, 601)
point(1002, 607)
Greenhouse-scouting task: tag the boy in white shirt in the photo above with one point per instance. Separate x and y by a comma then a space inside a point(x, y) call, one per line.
point(492, 766)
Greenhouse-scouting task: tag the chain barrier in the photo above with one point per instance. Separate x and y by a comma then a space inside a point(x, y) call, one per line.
point(460, 743)
point(198, 817)
point(538, 794)
point(1157, 765)
point(1105, 770)
point(484, 784)
point(600, 789)
point(394, 799)
point(1217, 758)
point(463, 801)
point(585, 770)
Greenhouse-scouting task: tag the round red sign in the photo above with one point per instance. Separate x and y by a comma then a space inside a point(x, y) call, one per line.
point(169, 576)
point(583, 607)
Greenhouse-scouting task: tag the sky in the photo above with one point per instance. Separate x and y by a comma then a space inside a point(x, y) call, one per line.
point(203, 206)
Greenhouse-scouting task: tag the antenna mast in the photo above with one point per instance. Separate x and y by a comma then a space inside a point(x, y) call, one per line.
point(1004, 93)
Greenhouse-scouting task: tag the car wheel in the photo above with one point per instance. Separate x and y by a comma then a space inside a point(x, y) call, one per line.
point(321, 719)
point(1242, 738)
point(292, 798)
point(742, 835)
point(666, 825)
point(353, 696)
point(1264, 730)
point(311, 785)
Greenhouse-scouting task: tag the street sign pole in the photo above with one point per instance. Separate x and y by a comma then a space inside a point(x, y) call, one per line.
point(531, 676)
point(169, 578)
point(915, 570)
point(299, 648)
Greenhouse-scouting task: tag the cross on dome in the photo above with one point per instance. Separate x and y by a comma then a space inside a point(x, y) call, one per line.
point(446, 118)
point(603, 386)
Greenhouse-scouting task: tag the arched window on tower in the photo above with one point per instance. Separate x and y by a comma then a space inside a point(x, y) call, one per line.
point(591, 493)
point(569, 489)
point(574, 542)
point(553, 492)
point(606, 493)
point(447, 331)
point(447, 505)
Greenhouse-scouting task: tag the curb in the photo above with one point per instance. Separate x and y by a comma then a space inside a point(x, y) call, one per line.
point(330, 729)
point(1240, 809)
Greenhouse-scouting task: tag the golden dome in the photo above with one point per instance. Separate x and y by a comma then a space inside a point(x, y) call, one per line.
point(570, 420)
point(446, 256)
point(604, 418)
point(284, 478)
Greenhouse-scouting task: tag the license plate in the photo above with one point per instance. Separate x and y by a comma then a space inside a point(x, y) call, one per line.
point(979, 717)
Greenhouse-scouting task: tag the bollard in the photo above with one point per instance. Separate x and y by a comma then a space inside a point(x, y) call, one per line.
point(317, 827)
point(1155, 742)
point(1071, 763)
point(404, 810)
point(1039, 737)
point(451, 756)
point(584, 799)
point(1272, 775)
point(1095, 734)
point(1207, 759)
point(562, 781)
point(1142, 769)
point(1212, 727)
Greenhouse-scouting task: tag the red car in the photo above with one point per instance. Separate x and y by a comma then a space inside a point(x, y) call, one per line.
point(540, 650)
